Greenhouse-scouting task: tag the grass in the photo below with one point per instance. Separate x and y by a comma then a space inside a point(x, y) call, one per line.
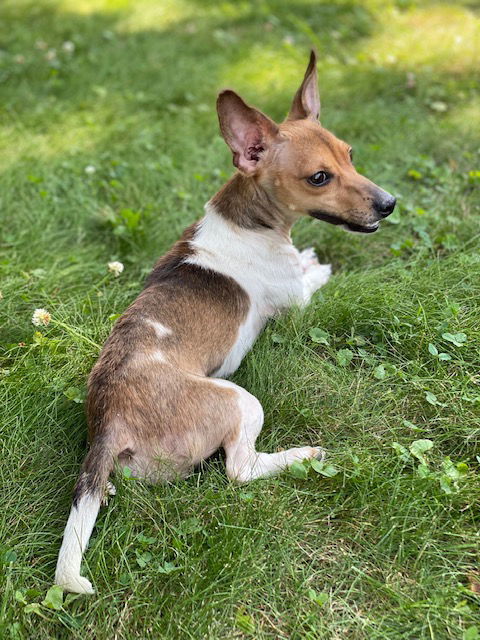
point(386, 545)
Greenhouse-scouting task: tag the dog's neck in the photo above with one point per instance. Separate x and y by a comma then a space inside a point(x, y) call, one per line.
point(245, 203)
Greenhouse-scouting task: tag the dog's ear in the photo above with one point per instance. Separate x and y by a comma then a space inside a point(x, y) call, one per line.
point(306, 103)
point(247, 131)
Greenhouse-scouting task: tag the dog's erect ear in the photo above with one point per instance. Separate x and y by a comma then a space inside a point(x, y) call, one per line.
point(247, 131)
point(306, 103)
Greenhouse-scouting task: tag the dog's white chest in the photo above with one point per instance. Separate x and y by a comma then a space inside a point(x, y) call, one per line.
point(272, 286)
point(267, 267)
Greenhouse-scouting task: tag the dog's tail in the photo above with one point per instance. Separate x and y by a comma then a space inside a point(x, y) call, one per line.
point(87, 497)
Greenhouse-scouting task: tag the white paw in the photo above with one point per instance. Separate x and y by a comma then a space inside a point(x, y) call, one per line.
point(304, 453)
point(316, 276)
point(109, 491)
point(75, 584)
point(323, 273)
point(308, 258)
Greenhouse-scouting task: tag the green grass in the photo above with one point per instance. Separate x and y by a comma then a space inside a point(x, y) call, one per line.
point(388, 547)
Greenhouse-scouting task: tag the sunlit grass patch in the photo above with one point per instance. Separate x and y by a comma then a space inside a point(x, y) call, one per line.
point(466, 117)
point(442, 35)
point(151, 15)
point(70, 134)
point(88, 7)
point(258, 71)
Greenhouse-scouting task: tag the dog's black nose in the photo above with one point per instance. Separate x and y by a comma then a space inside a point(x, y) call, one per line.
point(385, 205)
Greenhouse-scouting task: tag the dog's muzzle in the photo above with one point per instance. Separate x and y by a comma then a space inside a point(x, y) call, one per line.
point(351, 226)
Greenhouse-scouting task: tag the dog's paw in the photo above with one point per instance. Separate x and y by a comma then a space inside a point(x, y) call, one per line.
point(308, 258)
point(318, 275)
point(305, 453)
point(109, 491)
point(74, 584)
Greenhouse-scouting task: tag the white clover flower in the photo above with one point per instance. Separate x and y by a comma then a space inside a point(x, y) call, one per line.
point(68, 46)
point(90, 169)
point(41, 317)
point(116, 268)
point(41, 44)
point(51, 55)
point(19, 59)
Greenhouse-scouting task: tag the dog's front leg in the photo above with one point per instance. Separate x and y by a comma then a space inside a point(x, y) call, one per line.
point(315, 275)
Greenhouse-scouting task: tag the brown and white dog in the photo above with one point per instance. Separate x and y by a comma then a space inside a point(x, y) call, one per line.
point(158, 401)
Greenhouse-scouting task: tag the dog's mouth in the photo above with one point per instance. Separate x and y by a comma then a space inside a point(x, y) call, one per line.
point(350, 226)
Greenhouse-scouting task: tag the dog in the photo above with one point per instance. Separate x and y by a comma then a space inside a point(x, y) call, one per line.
point(158, 401)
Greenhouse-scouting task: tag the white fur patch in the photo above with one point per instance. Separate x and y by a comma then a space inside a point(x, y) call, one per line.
point(157, 356)
point(160, 329)
point(144, 358)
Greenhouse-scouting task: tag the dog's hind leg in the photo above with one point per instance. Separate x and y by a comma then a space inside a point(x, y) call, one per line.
point(244, 463)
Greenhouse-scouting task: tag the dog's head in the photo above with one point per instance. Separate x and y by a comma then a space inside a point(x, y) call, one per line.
point(303, 167)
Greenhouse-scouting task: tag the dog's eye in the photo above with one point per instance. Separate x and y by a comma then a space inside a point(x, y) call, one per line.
point(318, 179)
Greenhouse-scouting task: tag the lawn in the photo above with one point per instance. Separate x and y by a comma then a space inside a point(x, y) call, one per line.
point(110, 147)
